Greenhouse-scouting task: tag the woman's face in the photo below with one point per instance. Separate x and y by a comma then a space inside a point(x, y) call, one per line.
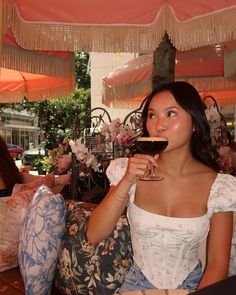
point(168, 119)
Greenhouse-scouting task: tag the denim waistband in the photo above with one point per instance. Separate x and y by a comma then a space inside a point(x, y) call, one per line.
point(135, 280)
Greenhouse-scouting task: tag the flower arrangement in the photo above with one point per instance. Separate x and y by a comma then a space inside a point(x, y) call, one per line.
point(212, 114)
point(58, 159)
point(84, 156)
point(225, 159)
point(115, 132)
point(214, 120)
point(219, 139)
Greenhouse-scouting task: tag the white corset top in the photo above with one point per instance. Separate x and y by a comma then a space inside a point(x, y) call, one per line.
point(166, 248)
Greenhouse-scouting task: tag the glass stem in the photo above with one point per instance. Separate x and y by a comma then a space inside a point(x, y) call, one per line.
point(152, 171)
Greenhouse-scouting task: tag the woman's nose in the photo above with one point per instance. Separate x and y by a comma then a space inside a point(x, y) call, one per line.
point(161, 125)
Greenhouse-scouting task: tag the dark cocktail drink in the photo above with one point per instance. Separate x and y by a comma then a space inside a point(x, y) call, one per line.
point(151, 146)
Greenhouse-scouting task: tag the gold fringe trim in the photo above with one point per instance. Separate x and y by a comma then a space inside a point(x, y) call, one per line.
point(123, 104)
point(111, 95)
point(201, 31)
point(134, 104)
point(126, 92)
point(37, 63)
point(230, 64)
point(210, 84)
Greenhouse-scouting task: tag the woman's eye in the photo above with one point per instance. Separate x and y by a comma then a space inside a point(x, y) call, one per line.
point(151, 116)
point(171, 114)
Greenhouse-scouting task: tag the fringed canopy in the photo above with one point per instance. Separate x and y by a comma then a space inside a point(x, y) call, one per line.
point(50, 63)
point(119, 26)
point(204, 68)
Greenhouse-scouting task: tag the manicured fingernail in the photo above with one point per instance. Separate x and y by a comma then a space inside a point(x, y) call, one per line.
point(156, 157)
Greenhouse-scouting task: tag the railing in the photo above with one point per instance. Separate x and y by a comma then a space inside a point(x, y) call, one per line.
point(96, 183)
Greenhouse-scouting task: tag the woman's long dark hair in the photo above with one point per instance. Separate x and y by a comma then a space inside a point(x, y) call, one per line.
point(189, 99)
point(8, 170)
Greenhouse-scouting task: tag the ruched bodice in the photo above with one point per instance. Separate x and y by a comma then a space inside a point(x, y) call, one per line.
point(166, 248)
point(163, 245)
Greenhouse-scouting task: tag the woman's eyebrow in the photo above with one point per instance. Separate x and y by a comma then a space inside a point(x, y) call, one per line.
point(172, 107)
point(150, 109)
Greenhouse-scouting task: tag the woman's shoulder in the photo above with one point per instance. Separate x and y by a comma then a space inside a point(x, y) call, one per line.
point(116, 170)
point(223, 194)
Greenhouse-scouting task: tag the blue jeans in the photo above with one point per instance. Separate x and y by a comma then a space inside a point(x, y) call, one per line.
point(135, 280)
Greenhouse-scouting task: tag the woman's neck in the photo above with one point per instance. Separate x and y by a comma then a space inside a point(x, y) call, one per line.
point(178, 164)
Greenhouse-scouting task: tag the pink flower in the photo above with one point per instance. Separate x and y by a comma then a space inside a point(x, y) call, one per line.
point(115, 132)
point(225, 159)
point(25, 169)
point(63, 163)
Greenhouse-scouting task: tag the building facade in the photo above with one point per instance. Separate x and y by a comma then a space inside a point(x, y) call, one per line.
point(19, 128)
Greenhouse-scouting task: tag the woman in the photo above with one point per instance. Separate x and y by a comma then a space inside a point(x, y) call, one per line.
point(9, 173)
point(169, 218)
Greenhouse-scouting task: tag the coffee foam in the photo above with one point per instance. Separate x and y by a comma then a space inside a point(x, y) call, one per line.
point(152, 138)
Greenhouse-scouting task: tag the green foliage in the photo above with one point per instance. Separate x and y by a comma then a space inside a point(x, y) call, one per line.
point(37, 162)
point(56, 117)
point(47, 164)
point(82, 77)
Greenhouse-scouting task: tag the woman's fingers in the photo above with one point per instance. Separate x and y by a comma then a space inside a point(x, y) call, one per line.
point(149, 158)
point(139, 166)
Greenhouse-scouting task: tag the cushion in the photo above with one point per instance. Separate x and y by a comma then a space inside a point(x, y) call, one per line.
point(12, 213)
point(84, 268)
point(40, 240)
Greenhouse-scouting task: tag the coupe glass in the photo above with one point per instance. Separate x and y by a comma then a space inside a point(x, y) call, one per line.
point(151, 146)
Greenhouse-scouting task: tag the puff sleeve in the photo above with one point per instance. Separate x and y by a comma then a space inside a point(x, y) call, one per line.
point(223, 194)
point(116, 170)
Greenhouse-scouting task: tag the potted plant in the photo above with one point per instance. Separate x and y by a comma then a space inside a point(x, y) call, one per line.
point(37, 164)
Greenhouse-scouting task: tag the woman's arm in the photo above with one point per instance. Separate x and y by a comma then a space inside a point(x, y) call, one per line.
point(218, 249)
point(27, 177)
point(105, 216)
point(56, 183)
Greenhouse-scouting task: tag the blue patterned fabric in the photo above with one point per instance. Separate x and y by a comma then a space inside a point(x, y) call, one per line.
point(232, 266)
point(40, 241)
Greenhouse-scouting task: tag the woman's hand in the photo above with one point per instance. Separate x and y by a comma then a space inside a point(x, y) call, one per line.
point(139, 165)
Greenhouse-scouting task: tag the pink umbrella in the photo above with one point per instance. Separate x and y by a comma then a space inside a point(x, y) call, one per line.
point(36, 75)
point(14, 85)
point(119, 26)
point(203, 67)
